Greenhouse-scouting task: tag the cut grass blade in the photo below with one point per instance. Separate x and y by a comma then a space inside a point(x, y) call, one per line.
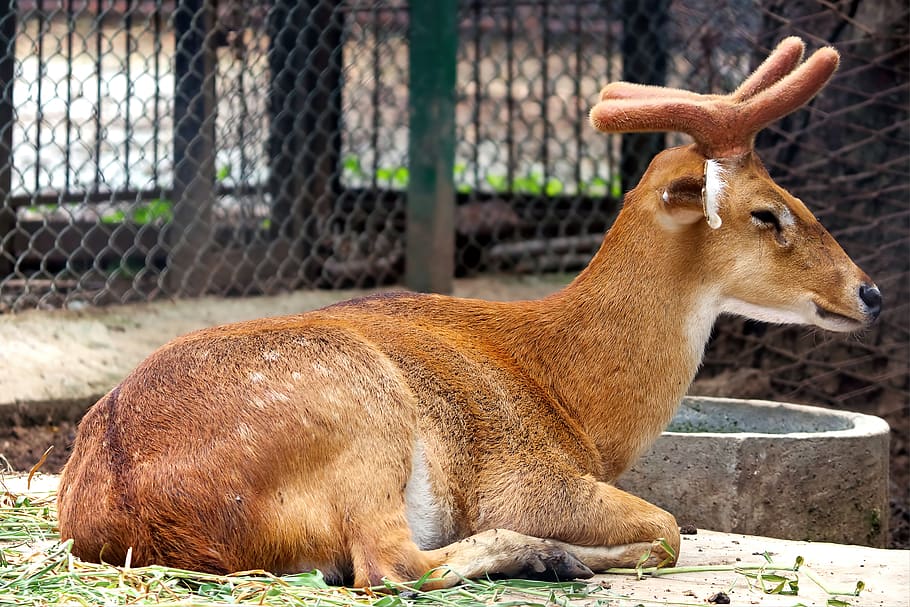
point(36, 569)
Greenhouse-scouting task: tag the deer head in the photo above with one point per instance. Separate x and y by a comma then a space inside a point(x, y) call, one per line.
point(762, 252)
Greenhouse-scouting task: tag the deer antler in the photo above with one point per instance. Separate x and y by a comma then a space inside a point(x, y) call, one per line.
point(722, 125)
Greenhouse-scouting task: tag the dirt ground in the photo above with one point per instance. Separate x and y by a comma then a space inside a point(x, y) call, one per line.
point(22, 447)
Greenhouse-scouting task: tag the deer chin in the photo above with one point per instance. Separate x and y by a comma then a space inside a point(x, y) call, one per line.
point(808, 312)
point(797, 315)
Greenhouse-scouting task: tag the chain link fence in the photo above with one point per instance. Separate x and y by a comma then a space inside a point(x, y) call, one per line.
point(848, 157)
point(160, 148)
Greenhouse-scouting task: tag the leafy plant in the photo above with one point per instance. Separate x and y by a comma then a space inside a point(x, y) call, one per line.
point(223, 173)
point(461, 185)
point(768, 578)
point(159, 210)
point(499, 182)
point(598, 186)
point(394, 177)
point(352, 166)
point(532, 183)
point(37, 569)
point(43, 209)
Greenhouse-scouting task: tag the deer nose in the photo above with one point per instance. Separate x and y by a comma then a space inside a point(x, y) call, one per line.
point(872, 297)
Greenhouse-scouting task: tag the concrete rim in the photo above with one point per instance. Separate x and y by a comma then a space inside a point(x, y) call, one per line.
point(858, 424)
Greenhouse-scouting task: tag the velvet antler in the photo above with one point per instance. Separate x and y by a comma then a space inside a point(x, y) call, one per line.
point(722, 125)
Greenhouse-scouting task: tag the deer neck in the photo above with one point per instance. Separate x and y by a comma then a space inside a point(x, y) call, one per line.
point(620, 346)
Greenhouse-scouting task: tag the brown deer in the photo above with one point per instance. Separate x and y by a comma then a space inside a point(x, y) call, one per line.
point(400, 434)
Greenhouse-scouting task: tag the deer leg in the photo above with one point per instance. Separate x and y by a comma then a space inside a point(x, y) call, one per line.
point(547, 536)
point(588, 526)
point(495, 552)
point(601, 525)
point(500, 552)
point(601, 558)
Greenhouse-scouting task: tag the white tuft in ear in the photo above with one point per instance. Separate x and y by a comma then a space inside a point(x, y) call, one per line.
point(714, 188)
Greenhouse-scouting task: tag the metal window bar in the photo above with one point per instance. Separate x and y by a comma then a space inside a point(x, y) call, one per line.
point(71, 26)
point(39, 115)
point(157, 13)
point(99, 56)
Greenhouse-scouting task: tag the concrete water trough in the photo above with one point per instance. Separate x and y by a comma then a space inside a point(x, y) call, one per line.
point(773, 469)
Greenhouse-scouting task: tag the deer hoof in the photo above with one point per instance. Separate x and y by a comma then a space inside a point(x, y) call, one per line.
point(549, 562)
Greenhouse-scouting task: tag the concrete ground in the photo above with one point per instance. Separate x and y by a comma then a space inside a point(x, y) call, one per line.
point(57, 363)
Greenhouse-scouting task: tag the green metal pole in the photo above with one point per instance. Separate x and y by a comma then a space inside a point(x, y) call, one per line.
point(430, 251)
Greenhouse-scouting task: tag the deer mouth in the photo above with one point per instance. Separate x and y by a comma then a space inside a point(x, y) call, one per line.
point(837, 321)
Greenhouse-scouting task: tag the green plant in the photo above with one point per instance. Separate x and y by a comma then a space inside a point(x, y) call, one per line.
point(768, 578)
point(399, 176)
point(499, 183)
point(37, 569)
point(461, 186)
point(159, 210)
point(532, 183)
point(223, 173)
point(353, 168)
point(598, 186)
point(43, 209)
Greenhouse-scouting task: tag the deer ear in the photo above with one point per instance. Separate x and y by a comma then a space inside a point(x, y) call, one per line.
point(682, 200)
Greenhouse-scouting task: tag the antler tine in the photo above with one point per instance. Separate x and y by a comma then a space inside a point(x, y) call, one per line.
point(638, 108)
point(725, 125)
point(791, 91)
point(628, 90)
point(782, 60)
point(642, 115)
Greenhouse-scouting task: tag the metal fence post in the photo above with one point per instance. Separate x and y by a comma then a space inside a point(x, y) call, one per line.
point(7, 75)
point(433, 42)
point(644, 60)
point(189, 235)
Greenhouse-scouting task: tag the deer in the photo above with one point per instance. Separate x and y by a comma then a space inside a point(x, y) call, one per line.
point(407, 436)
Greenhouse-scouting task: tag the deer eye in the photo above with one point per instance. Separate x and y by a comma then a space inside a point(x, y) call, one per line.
point(766, 218)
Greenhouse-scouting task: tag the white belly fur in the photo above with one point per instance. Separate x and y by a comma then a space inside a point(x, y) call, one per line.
point(428, 516)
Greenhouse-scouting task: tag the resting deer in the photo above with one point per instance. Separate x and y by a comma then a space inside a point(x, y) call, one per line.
point(395, 435)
